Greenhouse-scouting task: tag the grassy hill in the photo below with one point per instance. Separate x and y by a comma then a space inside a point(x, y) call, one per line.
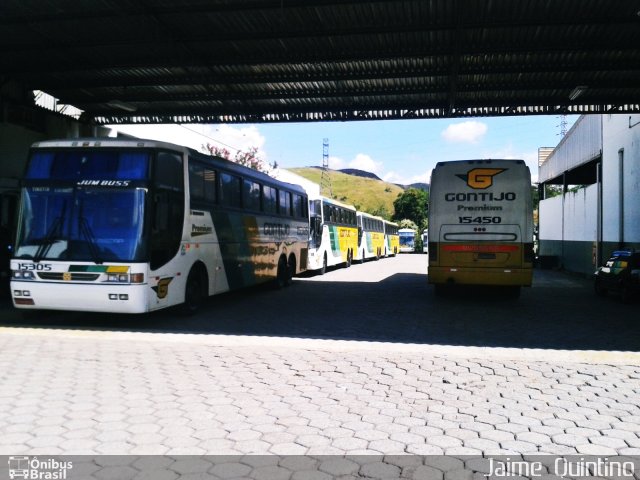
point(366, 194)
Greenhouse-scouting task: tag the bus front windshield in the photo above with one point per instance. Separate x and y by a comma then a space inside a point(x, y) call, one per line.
point(84, 204)
point(407, 239)
point(82, 224)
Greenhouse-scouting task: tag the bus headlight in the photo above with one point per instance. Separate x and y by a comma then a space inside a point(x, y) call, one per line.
point(22, 275)
point(117, 278)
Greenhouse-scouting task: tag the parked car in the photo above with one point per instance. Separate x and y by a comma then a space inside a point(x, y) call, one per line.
point(620, 274)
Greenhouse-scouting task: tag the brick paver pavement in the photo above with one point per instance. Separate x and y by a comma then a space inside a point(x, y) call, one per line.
point(66, 392)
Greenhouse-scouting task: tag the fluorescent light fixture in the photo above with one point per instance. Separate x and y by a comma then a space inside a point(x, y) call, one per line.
point(576, 92)
point(122, 105)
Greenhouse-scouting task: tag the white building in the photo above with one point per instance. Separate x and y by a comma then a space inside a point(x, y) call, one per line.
point(597, 166)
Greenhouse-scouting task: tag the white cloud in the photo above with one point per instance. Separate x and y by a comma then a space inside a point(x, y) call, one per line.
point(394, 177)
point(470, 131)
point(366, 163)
point(336, 163)
point(508, 152)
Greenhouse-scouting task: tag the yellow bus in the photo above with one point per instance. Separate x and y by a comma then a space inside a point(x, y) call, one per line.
point(391, 239)
point(481, 224)
point(370, 237)
point(333, 236)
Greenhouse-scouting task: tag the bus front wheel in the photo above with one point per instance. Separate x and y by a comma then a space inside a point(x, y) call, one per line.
point(195, 291)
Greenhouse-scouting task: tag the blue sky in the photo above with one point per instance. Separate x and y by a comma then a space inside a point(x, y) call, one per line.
point(399, 151)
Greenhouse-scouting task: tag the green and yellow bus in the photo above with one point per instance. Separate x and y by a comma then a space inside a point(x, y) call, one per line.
point(333, 234)
point(481, 224)
point(391, 239)
point(132, 226)
point(371, 242)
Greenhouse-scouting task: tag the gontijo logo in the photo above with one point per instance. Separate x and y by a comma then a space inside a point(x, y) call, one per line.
point(481, 178)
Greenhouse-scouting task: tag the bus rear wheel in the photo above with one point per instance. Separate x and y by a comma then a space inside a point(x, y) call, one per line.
point(282, 273)
point(349, 259)
point(291, 269)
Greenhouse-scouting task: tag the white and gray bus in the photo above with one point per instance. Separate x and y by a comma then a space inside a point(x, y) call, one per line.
point(481, 224)
point(136, 225)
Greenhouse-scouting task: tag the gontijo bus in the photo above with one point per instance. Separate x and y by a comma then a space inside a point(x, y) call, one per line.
point(370, 237)
point(391, 239)
point(481, 224)
point(333, 235)
point(136, 225)
point(407, 240)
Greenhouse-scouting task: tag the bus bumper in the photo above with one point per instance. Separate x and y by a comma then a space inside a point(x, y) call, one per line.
point(80, 297)
point(481, 276)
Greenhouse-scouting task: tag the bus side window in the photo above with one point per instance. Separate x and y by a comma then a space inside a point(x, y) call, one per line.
point(167, 209)
point(230, 190)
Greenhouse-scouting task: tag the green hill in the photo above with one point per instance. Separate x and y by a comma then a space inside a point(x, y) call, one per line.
point(366, 194)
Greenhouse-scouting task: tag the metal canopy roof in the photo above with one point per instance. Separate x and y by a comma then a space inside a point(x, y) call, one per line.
point(213, 61)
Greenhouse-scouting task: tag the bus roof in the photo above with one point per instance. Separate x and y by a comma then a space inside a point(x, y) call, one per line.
point(365, 214)
point(479, 161)
point(332, 201)
point(106, 142)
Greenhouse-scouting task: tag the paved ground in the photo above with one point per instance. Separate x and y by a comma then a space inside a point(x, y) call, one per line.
point(276, 388)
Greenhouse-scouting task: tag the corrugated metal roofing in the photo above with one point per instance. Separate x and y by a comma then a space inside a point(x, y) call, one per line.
point(297, 60)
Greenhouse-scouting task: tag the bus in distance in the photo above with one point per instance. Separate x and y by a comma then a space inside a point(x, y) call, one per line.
point(425, 240)
point(131, 226)
point(333, 235)
point(370, 237)
point(481, 224)
point(407, 240)
point(391, 239)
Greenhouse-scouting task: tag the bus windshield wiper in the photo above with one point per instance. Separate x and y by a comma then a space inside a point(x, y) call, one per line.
point(91, 241)
point(49, 238)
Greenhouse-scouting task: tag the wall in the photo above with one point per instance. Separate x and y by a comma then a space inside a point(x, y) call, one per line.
point(20, 127)
point(568, 227)
point(581, 144)
point(621, 132)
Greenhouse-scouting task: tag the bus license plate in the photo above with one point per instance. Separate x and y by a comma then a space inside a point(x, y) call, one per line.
point(486, 256)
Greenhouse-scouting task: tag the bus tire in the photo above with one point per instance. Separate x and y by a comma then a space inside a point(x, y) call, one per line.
point(347, 264)
point(323, 270)
point(195, 291)
point(282, 273)
point(291, 270)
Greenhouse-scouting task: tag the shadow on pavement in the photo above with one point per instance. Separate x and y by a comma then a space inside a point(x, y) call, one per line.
point(559, 312)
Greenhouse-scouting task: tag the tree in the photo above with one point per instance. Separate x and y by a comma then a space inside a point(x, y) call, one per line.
point(406, 223)
point(412, 204)
point(247, 158)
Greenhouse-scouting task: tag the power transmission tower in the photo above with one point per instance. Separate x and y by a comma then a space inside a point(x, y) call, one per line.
point(325, 178)
point(563, 125)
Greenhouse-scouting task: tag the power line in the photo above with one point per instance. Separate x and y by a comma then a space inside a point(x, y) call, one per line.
point(210, 138)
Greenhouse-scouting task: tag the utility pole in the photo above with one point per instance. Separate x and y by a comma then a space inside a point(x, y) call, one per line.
point(325, 178)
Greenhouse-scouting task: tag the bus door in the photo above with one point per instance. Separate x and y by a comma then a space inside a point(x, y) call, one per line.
point(315, 223)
